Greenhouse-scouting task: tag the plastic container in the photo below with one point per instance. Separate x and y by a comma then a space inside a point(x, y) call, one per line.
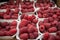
point(8, 37)
point(17, 36)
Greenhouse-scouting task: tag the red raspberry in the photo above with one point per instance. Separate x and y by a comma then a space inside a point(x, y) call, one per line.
point(7, 28)
point(23, 23)
point(30, 6)
point(6, 16)
point(24, 36)
point(14, 17)
point(52, 37)
point(8, 33)
point(54, 23)
point(54, 16)
point(50, 19)
point(47, 25)
point(46, 21)
point(40, 15)
point(58, 25)
point(1, 14)
point(14, 23)
point(31, 35)
point(5, 24)
point(16, 10)
point(33, 16)
point(23, 6)
point(52, 29)
point(32, 29)
point(2, 33)
point(46, 36)
point(57, 37)
point(42, 28)
point(45, 15)
point(12, 31)
point(25, 16)
point(22, 16)
point(32, 9)
point(12, 27)
point(27, 3)
point(40, 23)
point(29, 25)
point(35, 21)
point(33, 24)
point(35, 34)
point(30, 18)
point(23, 30)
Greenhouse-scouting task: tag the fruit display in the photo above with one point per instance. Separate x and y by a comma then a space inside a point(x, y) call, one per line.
point(8, 28)
point(28, 28)
point(44, 3)
point(9, 14)
point(48, 12)
point(27, 6)
point(49, 25)
point(30, 20)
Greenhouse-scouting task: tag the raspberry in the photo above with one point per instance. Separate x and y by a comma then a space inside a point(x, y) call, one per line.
point(8, 33)
point(52, 29)
point(40, 23)
point(31, 36)
point(23, 23)
point(30, 6)
point(40, 15)
point(54, 23)
point(22, 16)
point(1, 14)
point(25, 17)
point(35, 21)
point(2, 33)
point(7, 28)
point(14, 17)
point(45, 15)
point(27, 3)
point(12, 27)
point(28, 25)
point(52, 37)
point(33, 17)
point(35, 34)
point(47, 25)
point(42, 28)
point(16, 10)
point(46, 36)
point(50, 19)
point(12, 31)
point(14, 23)
point(32, 29)
point(24, 36)
point(30, 18)
point(23, 6)
point(6, 16)
point(57, 38)
point(54, 16)
point(58, 24)
point(33, 24)
point(46, 21)
point(23, 30)
point(5, 24)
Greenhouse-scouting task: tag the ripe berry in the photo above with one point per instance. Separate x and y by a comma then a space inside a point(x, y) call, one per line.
point(52, 29)
point(24, 36)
